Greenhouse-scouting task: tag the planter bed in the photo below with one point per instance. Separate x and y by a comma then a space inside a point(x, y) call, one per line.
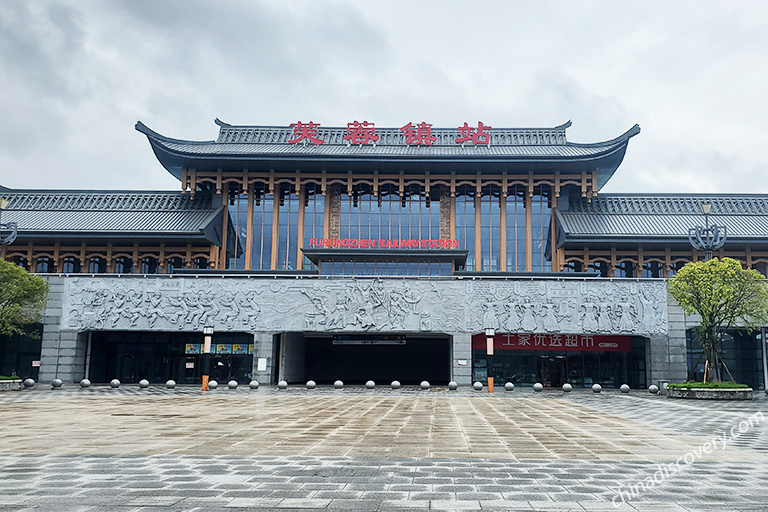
point(711, 393)
point(10, 385)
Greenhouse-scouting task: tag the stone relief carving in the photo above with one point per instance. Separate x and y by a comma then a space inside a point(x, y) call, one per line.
point(573, 306)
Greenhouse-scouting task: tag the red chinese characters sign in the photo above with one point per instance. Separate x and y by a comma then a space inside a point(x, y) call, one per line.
point(361, 133)
point(555, 342)
point(305, 132)
point(419, 134)
point(477, 136)
point(355, 243)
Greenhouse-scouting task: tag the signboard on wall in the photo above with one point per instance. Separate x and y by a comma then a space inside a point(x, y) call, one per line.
point(555, 342)
point(381, 243)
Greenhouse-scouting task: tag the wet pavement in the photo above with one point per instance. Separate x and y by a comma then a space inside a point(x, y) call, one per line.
point(381, 449)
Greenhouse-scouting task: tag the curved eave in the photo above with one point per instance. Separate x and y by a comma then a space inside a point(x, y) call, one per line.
point(604, 160)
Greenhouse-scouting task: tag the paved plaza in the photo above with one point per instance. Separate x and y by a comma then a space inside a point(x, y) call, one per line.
point(382, 449)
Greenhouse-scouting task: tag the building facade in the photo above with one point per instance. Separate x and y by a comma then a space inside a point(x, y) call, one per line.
point(362, 253)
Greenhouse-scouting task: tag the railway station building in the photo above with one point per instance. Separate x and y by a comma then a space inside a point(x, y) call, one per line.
point(362, 252)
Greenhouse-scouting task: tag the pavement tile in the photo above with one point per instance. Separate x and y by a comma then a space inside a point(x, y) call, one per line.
point(507, 452)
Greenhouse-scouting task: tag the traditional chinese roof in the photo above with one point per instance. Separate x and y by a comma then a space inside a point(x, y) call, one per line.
point(112, 214)
point(661, 217)
point(509, 150)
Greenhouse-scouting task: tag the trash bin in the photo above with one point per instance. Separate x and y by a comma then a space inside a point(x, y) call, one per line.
point(663, 384)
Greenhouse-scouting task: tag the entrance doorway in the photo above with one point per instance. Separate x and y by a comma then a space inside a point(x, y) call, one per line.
point(552, 370)
point(159, 356)
point(357, 358)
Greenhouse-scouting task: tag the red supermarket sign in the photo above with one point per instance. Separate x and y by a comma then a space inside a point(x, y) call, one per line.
point(555, 342)
point(381, 243)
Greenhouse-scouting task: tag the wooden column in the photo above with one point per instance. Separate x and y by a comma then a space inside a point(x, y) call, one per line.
point(161, 260)
point(213, 256)
point(275, 228)
point(56, 259)
point(556, 263)
point(300, 229)
point(136, 260)
point(528, 234)
point(222, 259)
point(110, 259)
point(503, 226)
point(187, 257)
point(326, 213)
point(667, 261)
point(478, 244)
point(249, 229)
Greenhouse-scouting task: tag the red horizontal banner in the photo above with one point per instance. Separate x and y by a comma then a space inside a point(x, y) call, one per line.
point(382, 243)
point(555, 342)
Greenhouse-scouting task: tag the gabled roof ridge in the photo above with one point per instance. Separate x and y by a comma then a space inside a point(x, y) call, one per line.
point(104, 201)
point(632, 204)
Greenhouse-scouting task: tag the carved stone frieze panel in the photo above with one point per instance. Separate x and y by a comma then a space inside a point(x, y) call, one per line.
point(574, 306)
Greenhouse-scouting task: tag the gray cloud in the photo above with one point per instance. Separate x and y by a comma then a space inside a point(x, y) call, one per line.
point(77, 75)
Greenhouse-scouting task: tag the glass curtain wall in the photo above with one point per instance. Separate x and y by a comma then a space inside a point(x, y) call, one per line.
point(541, 214)
point(490, 229)
point(465, 222)
point(389, 215)
point(263, 211)
point(287, 230)
point(238, 214)
point(314, 217)
point(515, 229)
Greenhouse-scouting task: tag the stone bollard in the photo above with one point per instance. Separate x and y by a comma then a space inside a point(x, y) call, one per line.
point(424, 384)
point(596, 388)
point(56, 383)
point(395, 384)
point(254, 384)
point(311, 384)
point(28, 383)
point(508, 386)
point(85, 383)
point(232, 384)
point(453, 385)
point(653, 389)
point(282, 385)
point(170, 384)
point(143, 384)
point(477, 386)
point(338, 385)
point(538, 387)
point(567, 388)
point(370, 384)
point(213, 384)
point(624, 388)
point(114, 383)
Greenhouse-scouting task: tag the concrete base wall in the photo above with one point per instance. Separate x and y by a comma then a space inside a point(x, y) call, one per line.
point(64, 337)
point(461, 358)
point(665, 355)
point(263, 348)
point(292, 357)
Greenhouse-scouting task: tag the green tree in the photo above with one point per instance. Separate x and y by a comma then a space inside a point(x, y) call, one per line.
point(22, 298)
point(724, 295)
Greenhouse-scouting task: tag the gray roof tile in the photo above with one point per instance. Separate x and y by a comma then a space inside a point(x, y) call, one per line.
point(107, 213)
point(663, 216)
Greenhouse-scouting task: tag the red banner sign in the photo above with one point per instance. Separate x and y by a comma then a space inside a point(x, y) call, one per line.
point(555, 342)
point(382, 243)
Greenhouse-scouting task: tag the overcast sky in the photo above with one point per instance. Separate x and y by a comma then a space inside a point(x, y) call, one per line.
point(76, 76)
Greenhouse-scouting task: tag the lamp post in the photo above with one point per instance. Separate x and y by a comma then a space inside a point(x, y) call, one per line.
point(489, 335)
point(8, 239)
point(707, 238)
point(208, 332)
